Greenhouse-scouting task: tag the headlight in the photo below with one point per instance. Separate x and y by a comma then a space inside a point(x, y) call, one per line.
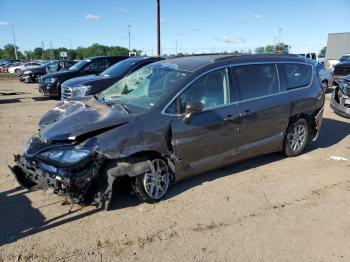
point(66, 156)
point(81, 91)
point(50, 80)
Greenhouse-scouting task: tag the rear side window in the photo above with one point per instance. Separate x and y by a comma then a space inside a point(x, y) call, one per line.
point(257, 80)
point(297, 75)
point(98, 65)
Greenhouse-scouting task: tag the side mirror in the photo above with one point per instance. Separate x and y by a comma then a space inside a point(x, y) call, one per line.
point(192, 108)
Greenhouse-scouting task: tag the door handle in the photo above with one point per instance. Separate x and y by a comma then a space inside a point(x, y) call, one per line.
point(247, 113)
point(233, 117)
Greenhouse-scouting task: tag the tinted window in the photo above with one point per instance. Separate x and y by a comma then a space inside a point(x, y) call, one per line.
point(119, 68)
point(298, 75)
point(257, 80)
point(98, 65)
point(211, 90)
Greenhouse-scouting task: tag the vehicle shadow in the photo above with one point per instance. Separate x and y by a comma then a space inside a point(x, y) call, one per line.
point(19, 219)
point(332, 132)
point(41, 98)
point(10, 101)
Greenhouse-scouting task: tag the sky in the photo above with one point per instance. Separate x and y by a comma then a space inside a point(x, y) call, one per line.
point(186, 25)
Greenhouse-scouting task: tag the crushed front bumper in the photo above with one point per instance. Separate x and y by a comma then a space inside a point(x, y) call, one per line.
point(73, 182)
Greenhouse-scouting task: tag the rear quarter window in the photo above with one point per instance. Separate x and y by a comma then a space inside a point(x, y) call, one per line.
point(297, 75)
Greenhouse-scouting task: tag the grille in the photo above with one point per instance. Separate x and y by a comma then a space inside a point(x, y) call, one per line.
point(66, 92)
point(341, 70)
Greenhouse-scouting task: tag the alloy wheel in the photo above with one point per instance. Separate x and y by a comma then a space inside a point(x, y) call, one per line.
point(297, 138)
point(156, 181)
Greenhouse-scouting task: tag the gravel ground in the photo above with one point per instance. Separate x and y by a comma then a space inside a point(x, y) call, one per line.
point(266, 209)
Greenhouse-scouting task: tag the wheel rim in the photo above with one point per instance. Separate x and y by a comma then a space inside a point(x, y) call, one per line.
point(156, 181)
point(297, 138)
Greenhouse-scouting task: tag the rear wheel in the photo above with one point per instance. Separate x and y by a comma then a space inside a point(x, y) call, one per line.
point(296, 138)
point(153, 185)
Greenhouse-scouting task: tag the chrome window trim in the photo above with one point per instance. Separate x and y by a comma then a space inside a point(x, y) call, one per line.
point(251, 99)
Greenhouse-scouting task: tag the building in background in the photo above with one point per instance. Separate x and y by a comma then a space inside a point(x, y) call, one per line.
point(338, 44)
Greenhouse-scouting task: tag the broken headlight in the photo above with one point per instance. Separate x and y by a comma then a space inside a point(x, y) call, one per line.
point(66, 156)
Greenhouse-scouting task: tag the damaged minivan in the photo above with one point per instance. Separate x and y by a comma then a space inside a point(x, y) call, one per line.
point(171, 120)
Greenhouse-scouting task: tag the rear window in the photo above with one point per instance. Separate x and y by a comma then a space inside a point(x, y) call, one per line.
point(298, 75)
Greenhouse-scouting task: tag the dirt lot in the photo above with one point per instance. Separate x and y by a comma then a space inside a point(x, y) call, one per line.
point(266, 209)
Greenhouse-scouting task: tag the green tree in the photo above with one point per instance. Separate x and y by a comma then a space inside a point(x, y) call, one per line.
point(260, 50)
point(37, 53)
point(323, 52)
point(269, 49)
point(8, 52)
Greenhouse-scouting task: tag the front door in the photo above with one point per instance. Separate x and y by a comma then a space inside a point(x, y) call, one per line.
point(208, 140)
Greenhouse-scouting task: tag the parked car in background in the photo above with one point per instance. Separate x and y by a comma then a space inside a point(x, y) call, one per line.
point(171, 120)
point(4, 67)
point(340, 102)
point(326, 76)
point(34, 74)
point(341, 69)
point(19, 68)
point(92, 84)
point(50, 84)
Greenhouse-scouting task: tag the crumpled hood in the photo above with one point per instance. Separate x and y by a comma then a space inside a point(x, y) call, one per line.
point(82, 80)
point(71, 119)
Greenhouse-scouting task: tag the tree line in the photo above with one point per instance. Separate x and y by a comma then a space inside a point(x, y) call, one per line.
point(8, 52)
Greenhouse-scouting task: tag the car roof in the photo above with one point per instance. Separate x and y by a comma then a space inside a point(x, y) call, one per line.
point(193, 63)
point(103, 56)
point(144, 58)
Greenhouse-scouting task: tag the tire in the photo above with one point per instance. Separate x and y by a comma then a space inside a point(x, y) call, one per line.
point(296, 138)
point(147, 186)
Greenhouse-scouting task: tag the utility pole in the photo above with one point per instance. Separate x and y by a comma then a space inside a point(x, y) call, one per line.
point(158, 27)
point(279, 35)
point(129, 37)
point(43, 50)
point(52, 56)
point(14, 42)
point(70, 47)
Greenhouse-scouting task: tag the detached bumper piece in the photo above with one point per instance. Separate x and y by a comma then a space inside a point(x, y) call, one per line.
point(73, 182)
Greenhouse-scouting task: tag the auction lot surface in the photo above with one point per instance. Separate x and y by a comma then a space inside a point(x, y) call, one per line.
point(266, 209)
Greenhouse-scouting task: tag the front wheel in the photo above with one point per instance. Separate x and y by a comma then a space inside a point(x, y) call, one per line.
point(296, 138)
point(153, 185)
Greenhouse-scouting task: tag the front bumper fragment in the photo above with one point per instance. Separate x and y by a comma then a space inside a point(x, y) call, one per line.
point(72, 182)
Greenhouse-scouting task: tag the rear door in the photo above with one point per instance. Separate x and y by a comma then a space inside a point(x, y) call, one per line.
point(263, 108)
point(208, 141)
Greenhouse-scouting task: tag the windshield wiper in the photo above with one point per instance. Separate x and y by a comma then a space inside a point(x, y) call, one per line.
point(124, 107)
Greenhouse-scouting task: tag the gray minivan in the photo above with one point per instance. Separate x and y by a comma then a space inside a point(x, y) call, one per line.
point(171, 120)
